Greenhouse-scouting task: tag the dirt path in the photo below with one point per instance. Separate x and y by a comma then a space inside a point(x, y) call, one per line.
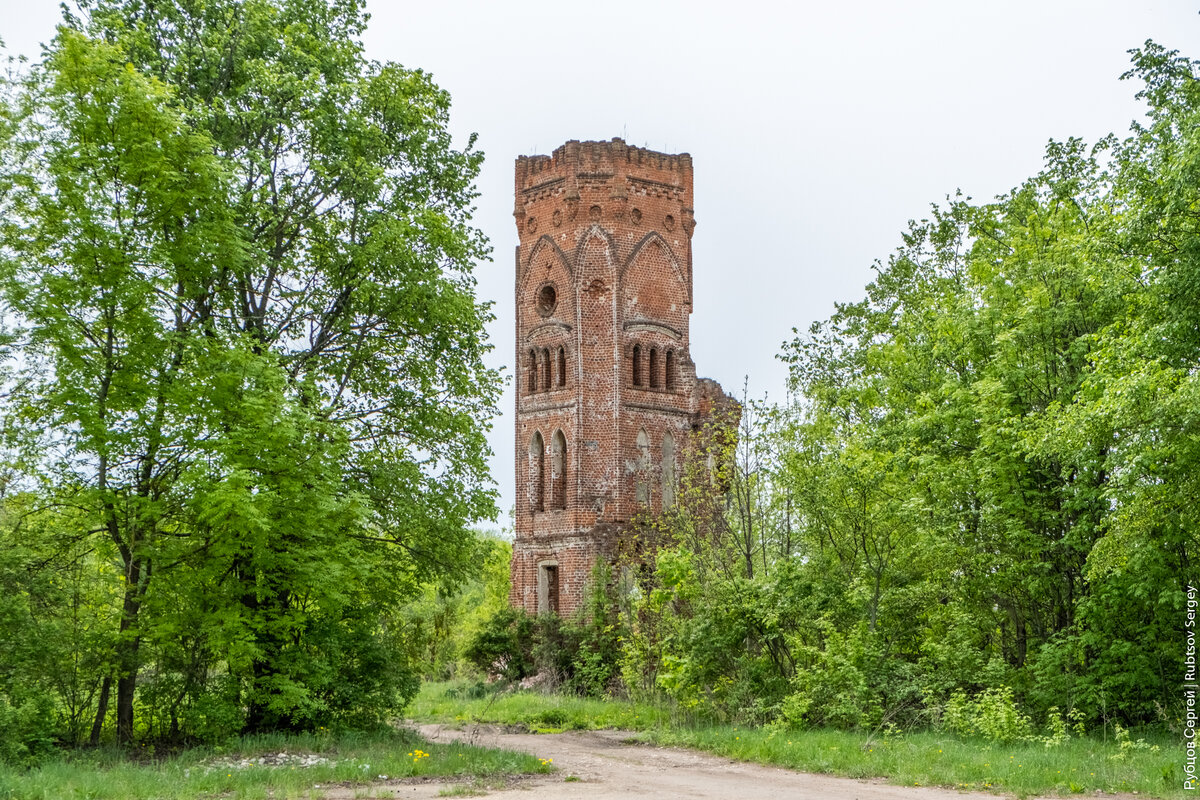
point(608, 769)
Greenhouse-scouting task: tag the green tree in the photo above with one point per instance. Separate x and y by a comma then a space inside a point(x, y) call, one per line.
point(239, 256)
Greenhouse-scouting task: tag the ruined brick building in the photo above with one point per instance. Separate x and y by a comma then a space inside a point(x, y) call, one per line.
point(607, 393)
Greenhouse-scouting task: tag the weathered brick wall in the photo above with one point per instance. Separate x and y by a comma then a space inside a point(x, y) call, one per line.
point(603, 297)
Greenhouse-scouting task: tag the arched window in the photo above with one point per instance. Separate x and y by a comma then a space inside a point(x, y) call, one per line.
point(558, 470)
point(533, 371)
point(562, 366)
point(653, 368)
point(642, 487)
point(637, 365)
point(668, 470)
point(537, 473)
point(546, 370)
point(670, 370)
point(547, 587)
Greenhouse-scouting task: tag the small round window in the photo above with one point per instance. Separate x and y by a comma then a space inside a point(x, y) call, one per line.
point(547, 299)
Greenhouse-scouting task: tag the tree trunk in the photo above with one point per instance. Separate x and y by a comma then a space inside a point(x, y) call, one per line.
point(128, 644)
point(101, 711)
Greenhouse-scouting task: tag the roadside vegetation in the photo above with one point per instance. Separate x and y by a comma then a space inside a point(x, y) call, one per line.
point(1034, 766)
point(274, 766)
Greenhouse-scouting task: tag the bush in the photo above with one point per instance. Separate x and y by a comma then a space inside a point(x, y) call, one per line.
point(503, 646)
point(26, 730)
point(991, 714)
point(581, 654)
point(834, 689)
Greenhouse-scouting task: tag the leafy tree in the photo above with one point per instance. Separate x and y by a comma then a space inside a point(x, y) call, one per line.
point(251, 355)
point(984, 477)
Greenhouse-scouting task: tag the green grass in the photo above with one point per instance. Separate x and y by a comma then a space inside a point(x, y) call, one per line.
point(541, 713)
point(1079, 766)
point(349, 761)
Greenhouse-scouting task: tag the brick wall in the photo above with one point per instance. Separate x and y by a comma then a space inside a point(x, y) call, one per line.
point(603, 298)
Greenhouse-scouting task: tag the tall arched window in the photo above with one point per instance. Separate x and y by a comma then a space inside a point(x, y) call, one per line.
point(670, 370)
point(533, 371)
point(537, 473)
point(668, 470)
point(546, 369)
point(653, 368)
point(562, 366)
point(642, 487)
point(637, 365)
point(558, 470)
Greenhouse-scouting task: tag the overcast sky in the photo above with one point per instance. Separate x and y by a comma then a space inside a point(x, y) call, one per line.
point(817, 130)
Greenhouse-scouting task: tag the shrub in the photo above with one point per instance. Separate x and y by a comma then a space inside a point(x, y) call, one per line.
point(991, 714)
point(503, 646)
point(26, 730)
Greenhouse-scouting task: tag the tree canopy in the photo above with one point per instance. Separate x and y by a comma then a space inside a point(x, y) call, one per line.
point(247, 402)
point(981, 491)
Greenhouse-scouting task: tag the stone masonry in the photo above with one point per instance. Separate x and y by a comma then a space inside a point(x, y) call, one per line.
point(607, 394)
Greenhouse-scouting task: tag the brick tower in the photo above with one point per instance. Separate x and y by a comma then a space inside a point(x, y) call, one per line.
point(607, 394)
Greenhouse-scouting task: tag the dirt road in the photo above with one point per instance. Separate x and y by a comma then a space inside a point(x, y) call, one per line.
point(607, 769)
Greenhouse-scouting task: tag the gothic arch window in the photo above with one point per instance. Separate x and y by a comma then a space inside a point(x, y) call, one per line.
point(546, 369)
point(653, 368)
point(642, 487)
point(668, 470)
point(533, 371)
point(537, 473)
point(637, 365)
point(670, 370)
point(558, 471)
point(562, 366)
point(547, 587)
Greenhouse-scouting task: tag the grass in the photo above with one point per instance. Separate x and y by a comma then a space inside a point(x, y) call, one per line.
point(1079, 766)
point(540, 713)
point(238, 771)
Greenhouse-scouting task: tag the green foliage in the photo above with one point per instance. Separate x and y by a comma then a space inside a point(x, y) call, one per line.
point(580, 655)
point(832, 689)
point(245, 393)
point(439, 624)
point(27, 731)
point(992, 714)
point(1127, 746)
point(974, 507)
point(503, 646)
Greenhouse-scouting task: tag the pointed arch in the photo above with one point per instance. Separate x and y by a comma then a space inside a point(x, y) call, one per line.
point(668, 470)
point(653, 285)
point(594, 230)
point(558, 470)
point(651, 238)
point(545, 241)
point(537, 473)
point(642, 486)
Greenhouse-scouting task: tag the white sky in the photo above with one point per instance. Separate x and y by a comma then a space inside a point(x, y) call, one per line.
point(817, 130)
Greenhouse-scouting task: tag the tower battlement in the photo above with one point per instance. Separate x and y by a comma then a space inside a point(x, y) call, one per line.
point(613, 158)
